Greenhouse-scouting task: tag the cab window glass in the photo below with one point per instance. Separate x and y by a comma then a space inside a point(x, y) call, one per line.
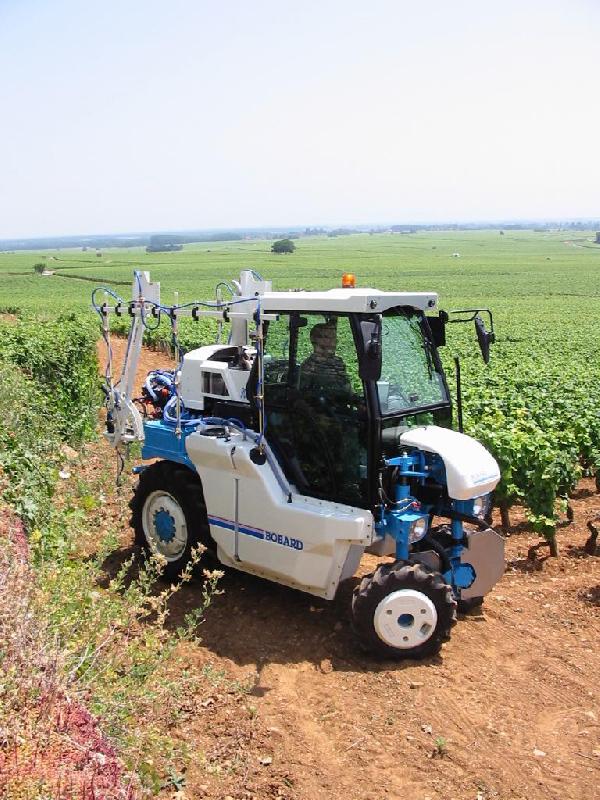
point(326, 356)
point(276, 359)
point(316, 414)
point(409, 378)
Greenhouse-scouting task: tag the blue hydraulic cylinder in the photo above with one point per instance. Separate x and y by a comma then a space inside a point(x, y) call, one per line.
point(456, 526)
point(460, 575)
point(397, 521)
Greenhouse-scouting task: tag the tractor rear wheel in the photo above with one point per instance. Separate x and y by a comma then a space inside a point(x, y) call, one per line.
point(169, 514)
point(403, 610)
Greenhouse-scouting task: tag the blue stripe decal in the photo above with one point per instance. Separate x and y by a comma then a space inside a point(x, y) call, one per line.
point(230, 525)
point(258, 533)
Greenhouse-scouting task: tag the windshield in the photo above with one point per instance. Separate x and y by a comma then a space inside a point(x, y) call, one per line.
point(410, 377)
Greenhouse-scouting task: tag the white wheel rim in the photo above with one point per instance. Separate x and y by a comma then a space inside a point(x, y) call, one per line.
point(164, 525)
point(405, 619)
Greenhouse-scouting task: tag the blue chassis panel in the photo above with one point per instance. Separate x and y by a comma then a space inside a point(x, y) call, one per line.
point(161, 441)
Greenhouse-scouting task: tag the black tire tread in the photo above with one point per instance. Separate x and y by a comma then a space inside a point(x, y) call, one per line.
point(388, 578)
point(187, 488)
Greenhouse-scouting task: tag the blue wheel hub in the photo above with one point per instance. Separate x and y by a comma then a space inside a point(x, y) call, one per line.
point(164, 525)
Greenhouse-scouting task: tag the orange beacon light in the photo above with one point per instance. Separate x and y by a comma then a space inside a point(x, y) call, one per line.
point(348, 280)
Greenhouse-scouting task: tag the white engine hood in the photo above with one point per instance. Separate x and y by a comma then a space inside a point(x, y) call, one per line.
point(470, 470)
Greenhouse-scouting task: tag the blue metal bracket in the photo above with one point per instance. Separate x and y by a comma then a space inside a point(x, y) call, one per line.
point(460, 576)
point(409, 465)
point(161, 441)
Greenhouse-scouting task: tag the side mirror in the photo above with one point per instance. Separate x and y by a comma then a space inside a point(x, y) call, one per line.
point(484, 337)
point(369, 362)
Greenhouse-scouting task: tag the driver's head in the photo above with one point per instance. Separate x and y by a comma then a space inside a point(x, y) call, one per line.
point(324, 339)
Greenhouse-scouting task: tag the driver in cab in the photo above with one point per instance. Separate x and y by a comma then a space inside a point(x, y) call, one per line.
point(328, 400)
point(323, 370)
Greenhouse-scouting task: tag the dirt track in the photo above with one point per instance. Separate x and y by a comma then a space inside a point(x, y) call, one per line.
point(508, 710)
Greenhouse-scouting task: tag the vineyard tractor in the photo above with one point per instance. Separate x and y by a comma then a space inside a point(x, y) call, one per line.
point(319, 430)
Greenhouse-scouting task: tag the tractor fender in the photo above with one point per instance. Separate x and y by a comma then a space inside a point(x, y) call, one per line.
point(471, 471)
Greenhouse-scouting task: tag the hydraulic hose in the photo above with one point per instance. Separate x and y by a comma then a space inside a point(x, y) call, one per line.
point(451, 514)
point(440, 550)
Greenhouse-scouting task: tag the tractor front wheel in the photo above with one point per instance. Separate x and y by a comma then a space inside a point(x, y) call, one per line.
point(169, 514)
point(403, 610)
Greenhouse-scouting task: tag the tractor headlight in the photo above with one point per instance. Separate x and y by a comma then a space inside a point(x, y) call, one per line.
point(418, 529)
point(481, 505)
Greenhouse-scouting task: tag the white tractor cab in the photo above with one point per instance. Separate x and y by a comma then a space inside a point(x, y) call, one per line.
point(319, 431)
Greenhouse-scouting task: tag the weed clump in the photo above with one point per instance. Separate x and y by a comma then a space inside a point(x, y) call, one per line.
point(91, 675)
point(74, 644)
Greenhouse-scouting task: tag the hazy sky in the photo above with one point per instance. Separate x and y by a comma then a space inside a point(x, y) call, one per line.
point(148, 115)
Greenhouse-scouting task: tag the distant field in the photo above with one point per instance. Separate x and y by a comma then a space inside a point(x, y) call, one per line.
point(537, 405)
point(518, 268)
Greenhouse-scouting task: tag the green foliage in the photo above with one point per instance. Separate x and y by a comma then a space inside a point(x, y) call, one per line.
point(49, 380)
point(191, 333)
point(29, 447)
point(60, 358)
point(39, 267)
point(66, 630)
point(539, 414)
point(283, 246)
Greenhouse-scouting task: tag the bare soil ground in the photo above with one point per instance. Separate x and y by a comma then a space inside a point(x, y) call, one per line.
point(508, 710)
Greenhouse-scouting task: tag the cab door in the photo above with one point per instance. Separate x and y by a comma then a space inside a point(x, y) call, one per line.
point(315, 406)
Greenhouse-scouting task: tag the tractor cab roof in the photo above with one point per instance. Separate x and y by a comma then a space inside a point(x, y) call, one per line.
point(354, 301)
